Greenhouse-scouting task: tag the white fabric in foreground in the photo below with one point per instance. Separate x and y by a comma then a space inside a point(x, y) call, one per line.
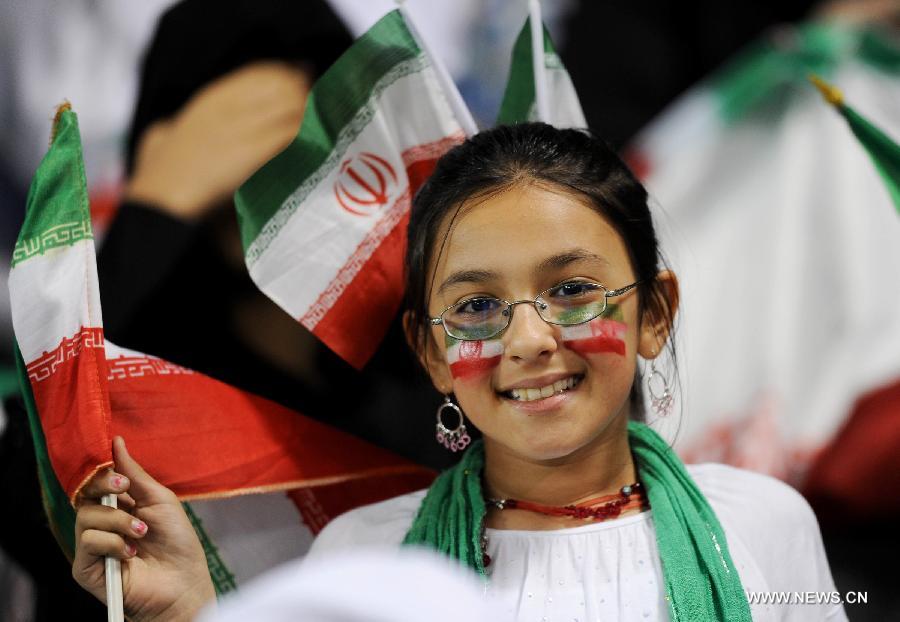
point(366, 586)
point(611, 570)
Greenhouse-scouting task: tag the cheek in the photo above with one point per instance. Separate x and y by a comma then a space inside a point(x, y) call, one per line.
point(470, 361)
point(599, 336)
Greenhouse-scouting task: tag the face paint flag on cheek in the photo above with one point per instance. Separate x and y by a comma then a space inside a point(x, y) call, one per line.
point(472, 359)
point(599, 336)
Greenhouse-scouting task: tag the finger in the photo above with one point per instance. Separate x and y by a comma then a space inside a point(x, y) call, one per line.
point(143, 489)
point(107, 482)
point(126, 502)
point(103, 518)
point(96, 543)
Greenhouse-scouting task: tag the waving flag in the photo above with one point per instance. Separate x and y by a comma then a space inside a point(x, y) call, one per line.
point(324, 223)
point(885, 153)
point(261, 479)
point(785, 244)
point(520, 100)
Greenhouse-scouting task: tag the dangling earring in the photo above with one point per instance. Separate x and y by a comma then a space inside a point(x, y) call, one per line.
point(658, 388)
point(456, 439)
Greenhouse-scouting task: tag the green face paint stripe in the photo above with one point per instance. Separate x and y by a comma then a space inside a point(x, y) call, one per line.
point(612, 312)
point(222, 578)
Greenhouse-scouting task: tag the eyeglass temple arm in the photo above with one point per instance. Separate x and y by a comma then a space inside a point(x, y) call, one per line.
point(622, 290)
point(436, 321)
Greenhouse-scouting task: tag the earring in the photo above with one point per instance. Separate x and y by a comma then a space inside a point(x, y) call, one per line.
point(658, 388)
point(456, 439)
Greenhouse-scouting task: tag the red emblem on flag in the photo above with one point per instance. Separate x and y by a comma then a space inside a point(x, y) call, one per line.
point(365, 183)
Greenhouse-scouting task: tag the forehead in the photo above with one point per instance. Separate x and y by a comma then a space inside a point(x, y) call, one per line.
point(513, 231)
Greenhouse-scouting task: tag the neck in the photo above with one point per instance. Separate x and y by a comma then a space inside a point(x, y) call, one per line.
point(601, 467)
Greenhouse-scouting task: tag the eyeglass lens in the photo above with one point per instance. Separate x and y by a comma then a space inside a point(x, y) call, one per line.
point(485, 317)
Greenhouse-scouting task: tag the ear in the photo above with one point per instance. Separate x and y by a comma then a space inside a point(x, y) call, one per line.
point(659, 315)
point(431, 356)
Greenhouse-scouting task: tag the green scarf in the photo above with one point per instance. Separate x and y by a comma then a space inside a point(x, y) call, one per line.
point(702, 584)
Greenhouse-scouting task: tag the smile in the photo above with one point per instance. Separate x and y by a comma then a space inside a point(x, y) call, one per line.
point(534, 394)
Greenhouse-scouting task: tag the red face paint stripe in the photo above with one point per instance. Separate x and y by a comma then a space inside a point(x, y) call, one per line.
point(597, 345)
point(469, 368)
point(596, 337)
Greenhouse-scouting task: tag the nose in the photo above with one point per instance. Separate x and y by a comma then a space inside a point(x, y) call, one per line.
point(528, 337)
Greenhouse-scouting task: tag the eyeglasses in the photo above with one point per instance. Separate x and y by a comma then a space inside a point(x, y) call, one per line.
point(566, 304)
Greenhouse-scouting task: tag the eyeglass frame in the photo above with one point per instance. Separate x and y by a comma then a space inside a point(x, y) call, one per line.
point(508, 311)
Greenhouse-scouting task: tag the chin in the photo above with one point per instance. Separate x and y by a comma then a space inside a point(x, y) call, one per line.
point(548, 447)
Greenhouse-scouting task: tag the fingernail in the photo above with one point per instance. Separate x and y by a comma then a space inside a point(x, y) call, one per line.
point(138, 526)
point(119, 481)
point(130, 550)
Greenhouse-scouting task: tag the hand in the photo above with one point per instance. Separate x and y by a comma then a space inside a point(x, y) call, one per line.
point(194, 161)
point(164, 572)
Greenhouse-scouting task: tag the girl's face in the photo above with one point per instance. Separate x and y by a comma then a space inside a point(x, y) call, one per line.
point(514, 245)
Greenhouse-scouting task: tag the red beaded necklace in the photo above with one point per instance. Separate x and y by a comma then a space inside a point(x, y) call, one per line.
point(597, 509)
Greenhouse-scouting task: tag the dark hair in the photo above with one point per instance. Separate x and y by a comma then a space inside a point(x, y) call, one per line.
point(499, 158)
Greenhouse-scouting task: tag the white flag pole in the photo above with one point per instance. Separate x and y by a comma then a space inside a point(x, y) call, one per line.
point(537, 60)
point(457, 104)
point(114, 605)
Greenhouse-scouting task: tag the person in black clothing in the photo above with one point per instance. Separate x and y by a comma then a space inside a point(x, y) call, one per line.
point(217, 100)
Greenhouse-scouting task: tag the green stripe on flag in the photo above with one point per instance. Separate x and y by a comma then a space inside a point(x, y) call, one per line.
point(882, 149)
point(64, 217)
point(885, 153)
point(56, 504)
point(339, 100)
point(222, 577)
point(518, 99)
point(761, 74)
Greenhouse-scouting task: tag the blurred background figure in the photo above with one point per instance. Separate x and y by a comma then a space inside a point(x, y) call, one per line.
point(369, 586)
point(767, 207)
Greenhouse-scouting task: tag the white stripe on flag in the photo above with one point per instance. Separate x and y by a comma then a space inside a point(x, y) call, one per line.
point(253, 533)
point(44, 316)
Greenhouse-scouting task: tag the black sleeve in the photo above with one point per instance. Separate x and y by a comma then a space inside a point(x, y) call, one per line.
point(139, 253)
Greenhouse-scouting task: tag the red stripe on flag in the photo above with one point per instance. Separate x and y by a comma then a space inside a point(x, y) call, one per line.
point(357, 321)
point(203, 438)
point(69, 386)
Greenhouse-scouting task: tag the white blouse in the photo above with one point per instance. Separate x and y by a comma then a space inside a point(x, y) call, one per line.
point(611, 570)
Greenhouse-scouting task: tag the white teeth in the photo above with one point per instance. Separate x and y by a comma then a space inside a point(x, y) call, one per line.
point(529, 395)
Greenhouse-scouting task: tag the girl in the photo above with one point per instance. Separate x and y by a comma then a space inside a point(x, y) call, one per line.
point(533, 284)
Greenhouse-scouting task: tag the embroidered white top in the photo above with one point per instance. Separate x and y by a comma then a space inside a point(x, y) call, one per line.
point(611, 570)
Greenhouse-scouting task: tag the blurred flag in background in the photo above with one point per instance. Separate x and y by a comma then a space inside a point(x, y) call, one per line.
point(787, 245)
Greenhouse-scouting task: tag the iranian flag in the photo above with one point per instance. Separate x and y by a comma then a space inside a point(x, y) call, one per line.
point(324, 223)
point(539, 87)
point(259, 480)
point(785, 241)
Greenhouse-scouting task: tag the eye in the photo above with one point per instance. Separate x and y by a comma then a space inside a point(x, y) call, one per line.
point(477, 306)
point(574, 290)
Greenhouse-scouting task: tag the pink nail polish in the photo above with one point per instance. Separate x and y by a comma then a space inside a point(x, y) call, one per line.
point(131, 550)
point(139, 526)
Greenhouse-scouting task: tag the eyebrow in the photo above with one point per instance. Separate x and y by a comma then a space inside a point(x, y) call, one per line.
point(554, 262)
point(468, 276)
point(565, 258)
